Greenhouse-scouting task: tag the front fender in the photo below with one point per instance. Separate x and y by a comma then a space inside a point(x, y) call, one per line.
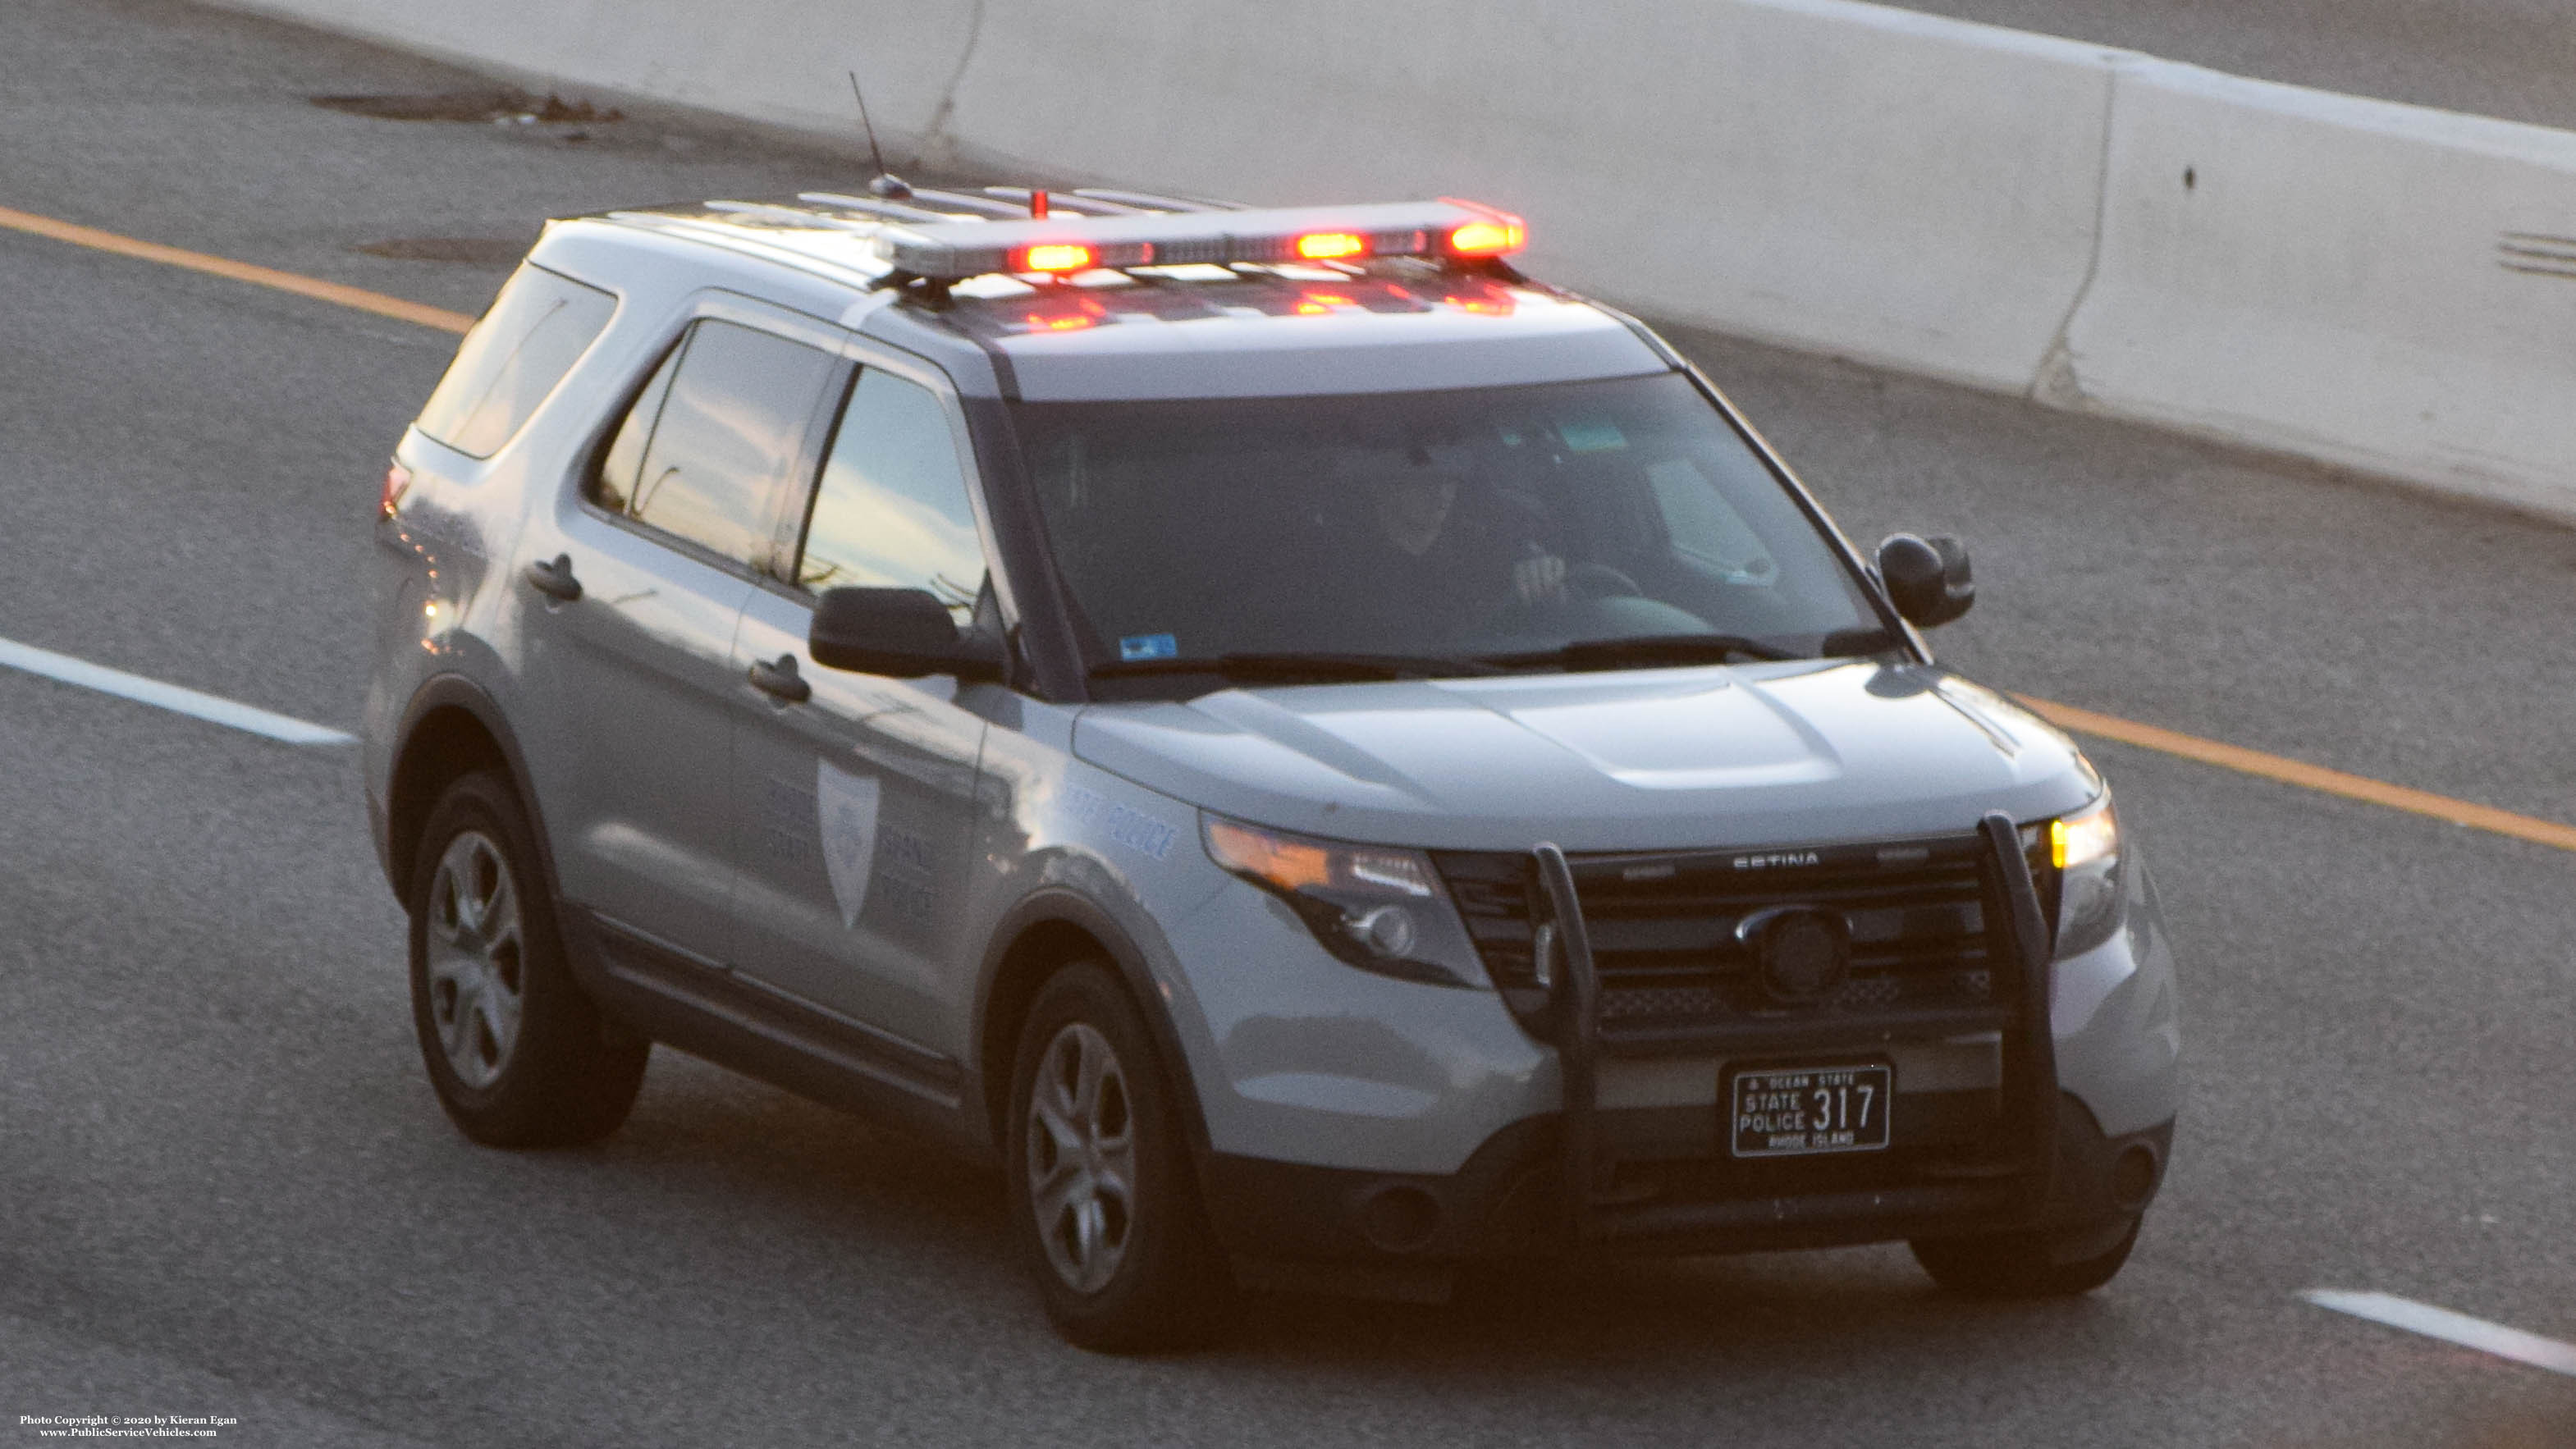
point(1070, 895)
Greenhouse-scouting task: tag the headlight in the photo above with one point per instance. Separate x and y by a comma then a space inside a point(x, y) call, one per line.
point(2088, 835)
point(2085, 848)
point(1378, 908)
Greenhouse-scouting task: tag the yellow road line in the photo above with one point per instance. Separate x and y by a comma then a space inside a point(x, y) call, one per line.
point(2065, 716)
point(302, 286)
point(2304, 775)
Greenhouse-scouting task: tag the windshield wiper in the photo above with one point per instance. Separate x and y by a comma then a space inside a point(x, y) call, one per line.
point(1321, 668)
point(1644, 651)
point(1858, 643)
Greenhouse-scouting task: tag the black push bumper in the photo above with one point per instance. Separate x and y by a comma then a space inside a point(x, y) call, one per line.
point(1593, 1180)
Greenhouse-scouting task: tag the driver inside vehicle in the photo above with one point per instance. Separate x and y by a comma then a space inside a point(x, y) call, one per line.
point(1440, 568)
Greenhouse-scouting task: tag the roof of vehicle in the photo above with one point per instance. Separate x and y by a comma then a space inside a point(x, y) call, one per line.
point(1190, 329)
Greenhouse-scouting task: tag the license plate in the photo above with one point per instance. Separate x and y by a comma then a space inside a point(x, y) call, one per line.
point(1796, 1111)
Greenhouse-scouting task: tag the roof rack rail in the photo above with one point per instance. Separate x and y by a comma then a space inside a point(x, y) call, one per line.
point(1151, 202)
point(870, 206)
point(787, 214)
point(997, 207)
point(1071, 203)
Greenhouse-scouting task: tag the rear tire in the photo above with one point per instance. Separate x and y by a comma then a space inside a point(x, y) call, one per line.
point(1102, 1187)
point(519, 1055)
point(2021, 1265)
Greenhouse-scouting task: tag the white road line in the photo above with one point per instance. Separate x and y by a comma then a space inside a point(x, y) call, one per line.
point(167, 696)
point(2459, 1328)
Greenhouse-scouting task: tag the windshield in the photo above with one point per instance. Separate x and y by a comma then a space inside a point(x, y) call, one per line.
point(1471, 528)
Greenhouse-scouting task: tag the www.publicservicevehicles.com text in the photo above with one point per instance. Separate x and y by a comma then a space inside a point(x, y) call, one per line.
point(126, 1426)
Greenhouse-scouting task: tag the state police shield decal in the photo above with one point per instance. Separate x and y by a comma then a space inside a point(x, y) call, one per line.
point(845, 810)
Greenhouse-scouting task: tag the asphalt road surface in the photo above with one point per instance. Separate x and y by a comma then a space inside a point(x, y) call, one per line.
point(225, 1188)
point(2509, 58)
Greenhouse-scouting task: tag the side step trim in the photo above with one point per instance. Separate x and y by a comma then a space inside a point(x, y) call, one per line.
point(644, 961)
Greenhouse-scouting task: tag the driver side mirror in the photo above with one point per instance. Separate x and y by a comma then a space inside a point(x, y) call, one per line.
point(902, 633)
point(1927, 579)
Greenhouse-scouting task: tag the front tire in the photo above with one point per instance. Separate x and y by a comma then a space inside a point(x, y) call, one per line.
point(519, 1055)
point(2025, 1264)
point(1101, 1183)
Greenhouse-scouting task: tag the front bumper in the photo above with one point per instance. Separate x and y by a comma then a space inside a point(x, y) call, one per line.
point(1509, 1199)
point(2020, 1152)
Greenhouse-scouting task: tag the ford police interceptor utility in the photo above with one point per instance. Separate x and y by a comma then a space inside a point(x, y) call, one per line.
point(1325, 758)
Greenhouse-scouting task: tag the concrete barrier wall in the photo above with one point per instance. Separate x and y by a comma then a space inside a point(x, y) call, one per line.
point(2370, 284)
point(2379, 286)
point(1839, 177)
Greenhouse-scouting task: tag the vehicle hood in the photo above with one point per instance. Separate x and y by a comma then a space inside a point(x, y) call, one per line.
point(1663, 759)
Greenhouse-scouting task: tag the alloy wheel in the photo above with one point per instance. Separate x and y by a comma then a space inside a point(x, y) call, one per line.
point(1082, 1158)
point(476, 959)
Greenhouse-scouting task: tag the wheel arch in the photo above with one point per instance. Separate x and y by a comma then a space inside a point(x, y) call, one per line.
point(452, 729)
point(1038, 937)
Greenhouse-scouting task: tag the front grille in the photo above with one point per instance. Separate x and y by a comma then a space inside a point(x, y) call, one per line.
point(1663, 930)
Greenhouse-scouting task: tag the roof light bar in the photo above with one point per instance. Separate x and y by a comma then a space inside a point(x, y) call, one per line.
point(1066, 242)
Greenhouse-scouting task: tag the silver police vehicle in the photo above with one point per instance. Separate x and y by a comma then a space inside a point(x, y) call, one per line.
point(1324, 758)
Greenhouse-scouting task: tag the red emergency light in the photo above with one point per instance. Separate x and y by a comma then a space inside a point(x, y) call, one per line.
point(1053, 257)
point(1329, 246)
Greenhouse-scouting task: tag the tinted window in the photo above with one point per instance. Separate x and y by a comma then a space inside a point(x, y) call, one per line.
point(709, 451)
point(537, 328)
point(1475, 521)
point(615, 484)
point(893, 511)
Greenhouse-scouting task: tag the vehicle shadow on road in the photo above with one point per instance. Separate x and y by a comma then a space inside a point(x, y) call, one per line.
point(1651, 1309)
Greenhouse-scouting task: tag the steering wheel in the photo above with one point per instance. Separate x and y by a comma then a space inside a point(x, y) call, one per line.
point(1600, 581)
point(1520, 627)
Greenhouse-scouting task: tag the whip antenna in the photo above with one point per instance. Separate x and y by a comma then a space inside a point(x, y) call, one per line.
point(886, 184)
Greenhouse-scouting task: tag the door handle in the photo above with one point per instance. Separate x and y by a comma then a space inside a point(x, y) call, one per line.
point(780, 681)
point(555, 580)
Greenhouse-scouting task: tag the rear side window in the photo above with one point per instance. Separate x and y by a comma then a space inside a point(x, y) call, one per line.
point(537, 328)
point(709, 452)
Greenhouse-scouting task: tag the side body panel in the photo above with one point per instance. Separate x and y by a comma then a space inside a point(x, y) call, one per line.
point(854, 828)
point(636, 682)
point(1059, 842)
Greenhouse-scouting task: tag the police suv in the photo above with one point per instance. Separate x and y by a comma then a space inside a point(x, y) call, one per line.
point(1325, 758)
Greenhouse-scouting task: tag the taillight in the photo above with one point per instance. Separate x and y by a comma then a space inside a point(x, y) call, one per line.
point(397, 480)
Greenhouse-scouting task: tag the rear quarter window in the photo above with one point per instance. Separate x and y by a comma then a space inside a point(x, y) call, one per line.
point(535, 331)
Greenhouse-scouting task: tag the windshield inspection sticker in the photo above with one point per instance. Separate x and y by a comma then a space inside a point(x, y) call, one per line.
point(1149, 646)
point(1595, 437)
point(845, 814)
